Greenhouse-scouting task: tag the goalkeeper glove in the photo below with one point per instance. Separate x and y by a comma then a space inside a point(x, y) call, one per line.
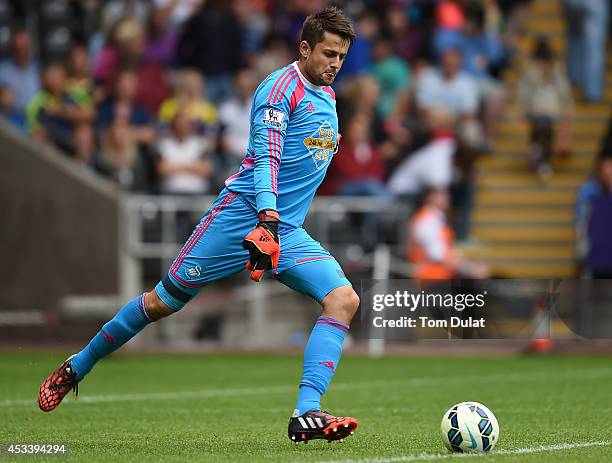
point(263, 244)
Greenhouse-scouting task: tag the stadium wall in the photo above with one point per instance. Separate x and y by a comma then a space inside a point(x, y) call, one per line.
point(59, 232)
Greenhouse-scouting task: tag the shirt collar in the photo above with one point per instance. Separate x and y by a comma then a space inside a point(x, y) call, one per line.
point(305, 81)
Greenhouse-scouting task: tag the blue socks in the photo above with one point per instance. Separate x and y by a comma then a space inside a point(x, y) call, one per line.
point(128, 322)
point(321, 355)
point(321, 359)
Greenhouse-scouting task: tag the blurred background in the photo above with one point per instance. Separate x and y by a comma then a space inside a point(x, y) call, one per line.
point(476, 143)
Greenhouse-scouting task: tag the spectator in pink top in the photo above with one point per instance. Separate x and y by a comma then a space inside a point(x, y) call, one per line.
point(127, 50)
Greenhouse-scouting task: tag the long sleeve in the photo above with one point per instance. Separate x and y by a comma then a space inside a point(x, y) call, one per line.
point(270, 116)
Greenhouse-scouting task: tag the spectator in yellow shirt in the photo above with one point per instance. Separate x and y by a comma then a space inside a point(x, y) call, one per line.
point(189, 96)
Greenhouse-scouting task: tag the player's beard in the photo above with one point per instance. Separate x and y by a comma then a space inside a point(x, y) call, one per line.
point(326, 77)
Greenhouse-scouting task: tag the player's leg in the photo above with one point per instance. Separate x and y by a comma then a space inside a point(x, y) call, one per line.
point(313, 271)
point(132, 318)
point(212, 252)
point(198, 263)
point(324, 348)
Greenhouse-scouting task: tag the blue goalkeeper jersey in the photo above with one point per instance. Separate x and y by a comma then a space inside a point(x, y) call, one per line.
point(294, 135)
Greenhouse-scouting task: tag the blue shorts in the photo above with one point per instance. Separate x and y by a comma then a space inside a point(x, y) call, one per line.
point(214, 251)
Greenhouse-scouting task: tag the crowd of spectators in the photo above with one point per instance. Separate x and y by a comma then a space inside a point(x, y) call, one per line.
point(155, 94)
point(140, 78)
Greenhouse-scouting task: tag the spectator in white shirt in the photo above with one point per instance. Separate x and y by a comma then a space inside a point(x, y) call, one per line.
point(234, 115)
point(453, 88)
point(184, 165)
point(431, 165)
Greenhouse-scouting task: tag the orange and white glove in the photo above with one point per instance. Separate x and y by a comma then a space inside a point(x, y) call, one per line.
point(263, 244)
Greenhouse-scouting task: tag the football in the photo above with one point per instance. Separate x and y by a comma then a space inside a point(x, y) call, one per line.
point(469, 427)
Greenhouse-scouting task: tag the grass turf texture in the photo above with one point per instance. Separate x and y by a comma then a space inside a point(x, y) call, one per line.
point(235, 408)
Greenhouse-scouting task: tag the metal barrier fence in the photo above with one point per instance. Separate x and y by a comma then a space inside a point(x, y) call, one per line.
point(326, 214)
point(149, 227)
point(339, 223)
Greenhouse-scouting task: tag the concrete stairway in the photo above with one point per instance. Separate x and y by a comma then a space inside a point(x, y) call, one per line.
point(524, 225)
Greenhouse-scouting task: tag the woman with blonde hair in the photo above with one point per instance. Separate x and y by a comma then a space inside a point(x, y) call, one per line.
point(546, 100)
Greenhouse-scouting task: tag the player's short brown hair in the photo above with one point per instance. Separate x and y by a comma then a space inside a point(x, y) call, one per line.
point(330, 19)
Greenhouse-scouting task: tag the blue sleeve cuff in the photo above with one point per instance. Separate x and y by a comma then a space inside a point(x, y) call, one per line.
point(265, 200)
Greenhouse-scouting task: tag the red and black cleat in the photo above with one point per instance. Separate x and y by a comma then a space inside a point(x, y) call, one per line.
point(318, 424)
point(56, 386)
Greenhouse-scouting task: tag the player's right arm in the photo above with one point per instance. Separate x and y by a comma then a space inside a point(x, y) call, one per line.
point(269, 119)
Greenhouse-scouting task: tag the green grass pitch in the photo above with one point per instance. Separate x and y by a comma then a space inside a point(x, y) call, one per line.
point(226, 408)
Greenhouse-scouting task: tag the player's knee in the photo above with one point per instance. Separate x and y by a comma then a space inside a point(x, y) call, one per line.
point(342, 303)
point(155, 307)
point(351, 301)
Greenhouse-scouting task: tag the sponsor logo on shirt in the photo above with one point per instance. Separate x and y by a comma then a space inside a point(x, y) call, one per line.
point(322, 144)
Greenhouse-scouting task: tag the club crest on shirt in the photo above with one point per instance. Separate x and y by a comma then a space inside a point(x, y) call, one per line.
point(322, 144)
point(193, 272)
point(273, 117)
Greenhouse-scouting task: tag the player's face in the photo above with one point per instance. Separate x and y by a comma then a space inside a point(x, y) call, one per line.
point(323, 63)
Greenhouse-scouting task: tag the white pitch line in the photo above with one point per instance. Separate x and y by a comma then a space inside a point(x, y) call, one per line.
point(162, 395)
point(453, 456)
point(507, 377)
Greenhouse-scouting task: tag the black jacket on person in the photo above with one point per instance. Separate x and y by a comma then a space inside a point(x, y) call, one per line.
point(211, 42)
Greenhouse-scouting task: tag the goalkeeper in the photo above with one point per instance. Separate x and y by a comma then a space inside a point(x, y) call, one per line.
point(257, 221)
